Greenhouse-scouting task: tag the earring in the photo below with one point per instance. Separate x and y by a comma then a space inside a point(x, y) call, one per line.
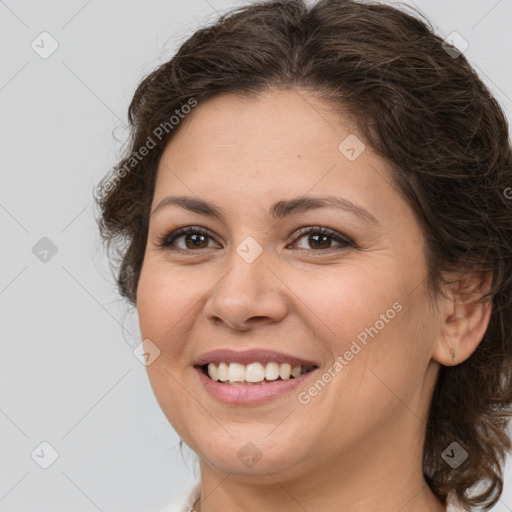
point(452, 352)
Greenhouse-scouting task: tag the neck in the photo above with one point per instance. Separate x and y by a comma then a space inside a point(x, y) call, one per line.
point(384, 482)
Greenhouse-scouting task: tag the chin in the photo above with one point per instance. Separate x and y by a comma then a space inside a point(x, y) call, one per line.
point(246, 458)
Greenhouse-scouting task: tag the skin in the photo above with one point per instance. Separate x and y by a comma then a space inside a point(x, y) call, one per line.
point(357, 445)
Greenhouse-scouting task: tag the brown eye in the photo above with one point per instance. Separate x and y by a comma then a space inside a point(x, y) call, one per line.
point(321, 239)
point(318, 239)
point(194, 238)
point(195, 241)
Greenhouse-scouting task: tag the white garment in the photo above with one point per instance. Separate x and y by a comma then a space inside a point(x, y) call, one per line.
point(186, 501)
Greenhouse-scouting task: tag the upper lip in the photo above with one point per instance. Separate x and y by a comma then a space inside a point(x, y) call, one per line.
point(256, 355)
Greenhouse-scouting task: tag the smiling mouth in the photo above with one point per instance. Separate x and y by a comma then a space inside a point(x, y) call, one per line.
point(253, 374)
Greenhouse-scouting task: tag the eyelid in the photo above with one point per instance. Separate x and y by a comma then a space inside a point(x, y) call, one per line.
point(162, 241)
point(322, 230)
point(294, 237)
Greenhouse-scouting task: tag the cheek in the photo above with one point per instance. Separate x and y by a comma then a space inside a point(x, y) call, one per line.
point(163, 301)
point(165, 312)
point(375, 320)
point(355, 305)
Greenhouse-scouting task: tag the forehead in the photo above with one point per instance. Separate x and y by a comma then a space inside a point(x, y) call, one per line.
point(280, 145)
point(288, 116)
point(276, 133)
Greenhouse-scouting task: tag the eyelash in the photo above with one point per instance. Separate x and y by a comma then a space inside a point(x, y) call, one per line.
point(165, 243)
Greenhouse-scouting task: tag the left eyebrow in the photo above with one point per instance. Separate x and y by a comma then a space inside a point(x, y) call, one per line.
point(278, 210)
point(282, 209)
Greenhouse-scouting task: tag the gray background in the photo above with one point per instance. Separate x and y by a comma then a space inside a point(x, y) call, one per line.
point(68, 373)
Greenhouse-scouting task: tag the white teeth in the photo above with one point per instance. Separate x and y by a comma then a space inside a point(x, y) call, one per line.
point(236, 372)
point(222, 371)
point(239, 374)
point(213, 372)
point(272, 371)
point(285, 370)
point(254, 372)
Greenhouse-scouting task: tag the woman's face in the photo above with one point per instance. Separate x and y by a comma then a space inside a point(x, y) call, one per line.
point(354, 302)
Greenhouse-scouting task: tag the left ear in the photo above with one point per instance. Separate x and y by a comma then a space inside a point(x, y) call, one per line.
point(465, 317)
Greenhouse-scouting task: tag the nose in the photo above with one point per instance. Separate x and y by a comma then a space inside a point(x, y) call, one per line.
point(249, 294)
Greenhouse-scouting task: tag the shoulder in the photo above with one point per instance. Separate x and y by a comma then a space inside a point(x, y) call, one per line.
point(186, 500)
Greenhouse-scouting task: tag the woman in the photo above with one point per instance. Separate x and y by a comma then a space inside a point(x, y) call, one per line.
point(313, 222)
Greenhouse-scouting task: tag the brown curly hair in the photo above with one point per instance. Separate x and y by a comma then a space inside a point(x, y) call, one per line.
point(427, 114)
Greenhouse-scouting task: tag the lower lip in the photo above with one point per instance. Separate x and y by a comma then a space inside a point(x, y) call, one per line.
point(255, 394)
